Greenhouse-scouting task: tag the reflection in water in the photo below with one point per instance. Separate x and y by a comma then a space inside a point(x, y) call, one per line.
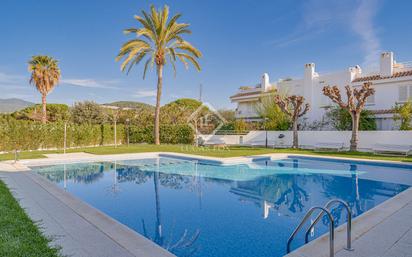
point(114, 189)
point(206, 210)
point(185, 244)
point(86, 173)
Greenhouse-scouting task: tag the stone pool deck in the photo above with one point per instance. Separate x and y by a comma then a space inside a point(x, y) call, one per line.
point(391, 238)
point(81, 230)
point(383, 231)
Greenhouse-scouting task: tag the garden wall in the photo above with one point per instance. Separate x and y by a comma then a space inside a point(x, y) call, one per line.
point(307, 139)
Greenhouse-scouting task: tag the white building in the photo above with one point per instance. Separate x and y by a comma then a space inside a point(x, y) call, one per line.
point(393, 85)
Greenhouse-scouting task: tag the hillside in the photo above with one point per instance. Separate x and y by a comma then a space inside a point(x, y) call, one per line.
point(13, 104)
point(130, 104)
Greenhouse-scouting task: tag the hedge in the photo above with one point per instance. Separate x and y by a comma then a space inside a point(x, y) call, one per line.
point(32, 135)
point(169, 134)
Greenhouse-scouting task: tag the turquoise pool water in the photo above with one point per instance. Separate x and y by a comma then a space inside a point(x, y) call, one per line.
point(206, 209)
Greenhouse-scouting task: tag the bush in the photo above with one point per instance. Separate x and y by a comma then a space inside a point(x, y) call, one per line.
point(340, 119)
point(169, 134)
point(55, 112)
point(87, 112)
point(32, 135)
point(403, 114)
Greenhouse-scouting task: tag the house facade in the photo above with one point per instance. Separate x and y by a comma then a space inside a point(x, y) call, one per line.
point(392, 83)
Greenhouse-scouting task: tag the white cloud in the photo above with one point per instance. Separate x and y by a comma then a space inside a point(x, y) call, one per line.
point(357, 16)
point(145, 93)
point(364, 26)
point(90, 83)
point(7, 79)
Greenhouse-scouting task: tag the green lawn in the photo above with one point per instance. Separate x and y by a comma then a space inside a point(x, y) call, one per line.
point(19, 236)
point(230, 152)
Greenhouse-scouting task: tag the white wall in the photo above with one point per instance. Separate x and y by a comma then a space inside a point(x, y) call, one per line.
point(387, 94)
point(367, 139)
point(246, 110)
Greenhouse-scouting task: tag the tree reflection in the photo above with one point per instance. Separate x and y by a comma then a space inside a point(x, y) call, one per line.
point(276, 192)
point(86, 173)
point(358, 193)
point(184, 245)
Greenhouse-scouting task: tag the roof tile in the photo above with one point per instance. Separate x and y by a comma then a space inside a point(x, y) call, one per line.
point(378, 77)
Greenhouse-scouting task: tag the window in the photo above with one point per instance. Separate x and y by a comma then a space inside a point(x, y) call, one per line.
point(325, 101)
point(370, 99)
point(405, 93)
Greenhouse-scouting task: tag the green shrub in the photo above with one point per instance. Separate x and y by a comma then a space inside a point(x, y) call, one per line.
point(169, 134)
point(403, 114)
point(55, 112)
point(32, 135)
point(340, 119)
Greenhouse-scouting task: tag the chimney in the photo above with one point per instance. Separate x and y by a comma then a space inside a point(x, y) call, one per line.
point(265, 82)
point(309, 71)
point(355, 72)
point(386, 64)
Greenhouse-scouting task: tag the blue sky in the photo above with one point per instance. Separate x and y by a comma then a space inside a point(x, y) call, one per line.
point(239, 40)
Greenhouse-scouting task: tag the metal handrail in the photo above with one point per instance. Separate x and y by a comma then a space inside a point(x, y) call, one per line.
point(331, 228)
point(349, 223)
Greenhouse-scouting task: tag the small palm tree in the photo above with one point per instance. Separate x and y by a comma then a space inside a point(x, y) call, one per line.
point(159, 39)
point(45, 75)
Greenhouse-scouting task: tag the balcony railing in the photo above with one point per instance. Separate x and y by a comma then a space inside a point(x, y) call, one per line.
point(403, 66)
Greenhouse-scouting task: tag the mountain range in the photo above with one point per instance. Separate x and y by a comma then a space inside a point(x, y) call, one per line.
point(130, 104)
point(13, 104)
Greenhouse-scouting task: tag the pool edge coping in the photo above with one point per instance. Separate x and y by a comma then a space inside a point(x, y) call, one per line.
point(24, 165)
point(132, 241)
point(318, 247)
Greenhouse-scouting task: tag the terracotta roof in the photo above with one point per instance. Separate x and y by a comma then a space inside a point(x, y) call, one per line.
point(377, 77)
point(257, 93)
point(385, 111)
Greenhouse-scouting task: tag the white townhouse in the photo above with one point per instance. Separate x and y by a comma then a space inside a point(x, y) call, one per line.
point(393, 85)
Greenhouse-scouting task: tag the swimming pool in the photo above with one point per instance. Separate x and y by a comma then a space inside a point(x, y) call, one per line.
point(205, 209)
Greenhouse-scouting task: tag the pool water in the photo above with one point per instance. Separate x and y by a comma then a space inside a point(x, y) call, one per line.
point(202, 209)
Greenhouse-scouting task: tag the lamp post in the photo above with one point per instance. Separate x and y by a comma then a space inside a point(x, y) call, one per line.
point(128, 131)
point(266, 133)
point(65, 137)
point(115, 133)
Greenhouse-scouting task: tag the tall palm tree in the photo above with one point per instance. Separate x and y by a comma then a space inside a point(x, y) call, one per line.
point(45, 75)
point(159, 39)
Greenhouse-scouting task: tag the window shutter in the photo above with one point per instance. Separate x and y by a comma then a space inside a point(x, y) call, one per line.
point(370, 99)
point(410, 92)
point(403, 93)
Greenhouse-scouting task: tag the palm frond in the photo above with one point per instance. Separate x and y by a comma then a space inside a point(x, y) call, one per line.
point(130, 30)
point(173, 21)
point(155, 17)
point(135, 55)
point(160, 37)
point(172, 61)
point(165, 17)
point(45, 73)
point(136, 61)
point(184, 45)
point(132, 48)
point(190, 59)
point(146, 65)
point(183, 60)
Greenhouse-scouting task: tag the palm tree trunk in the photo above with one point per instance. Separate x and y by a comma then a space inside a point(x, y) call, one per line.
point(295, 134)
point(157, 112)
point(44, 109)
point(159, 232)
point(355, 130)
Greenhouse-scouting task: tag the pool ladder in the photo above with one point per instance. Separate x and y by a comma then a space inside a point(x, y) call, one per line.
point(325, 210)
